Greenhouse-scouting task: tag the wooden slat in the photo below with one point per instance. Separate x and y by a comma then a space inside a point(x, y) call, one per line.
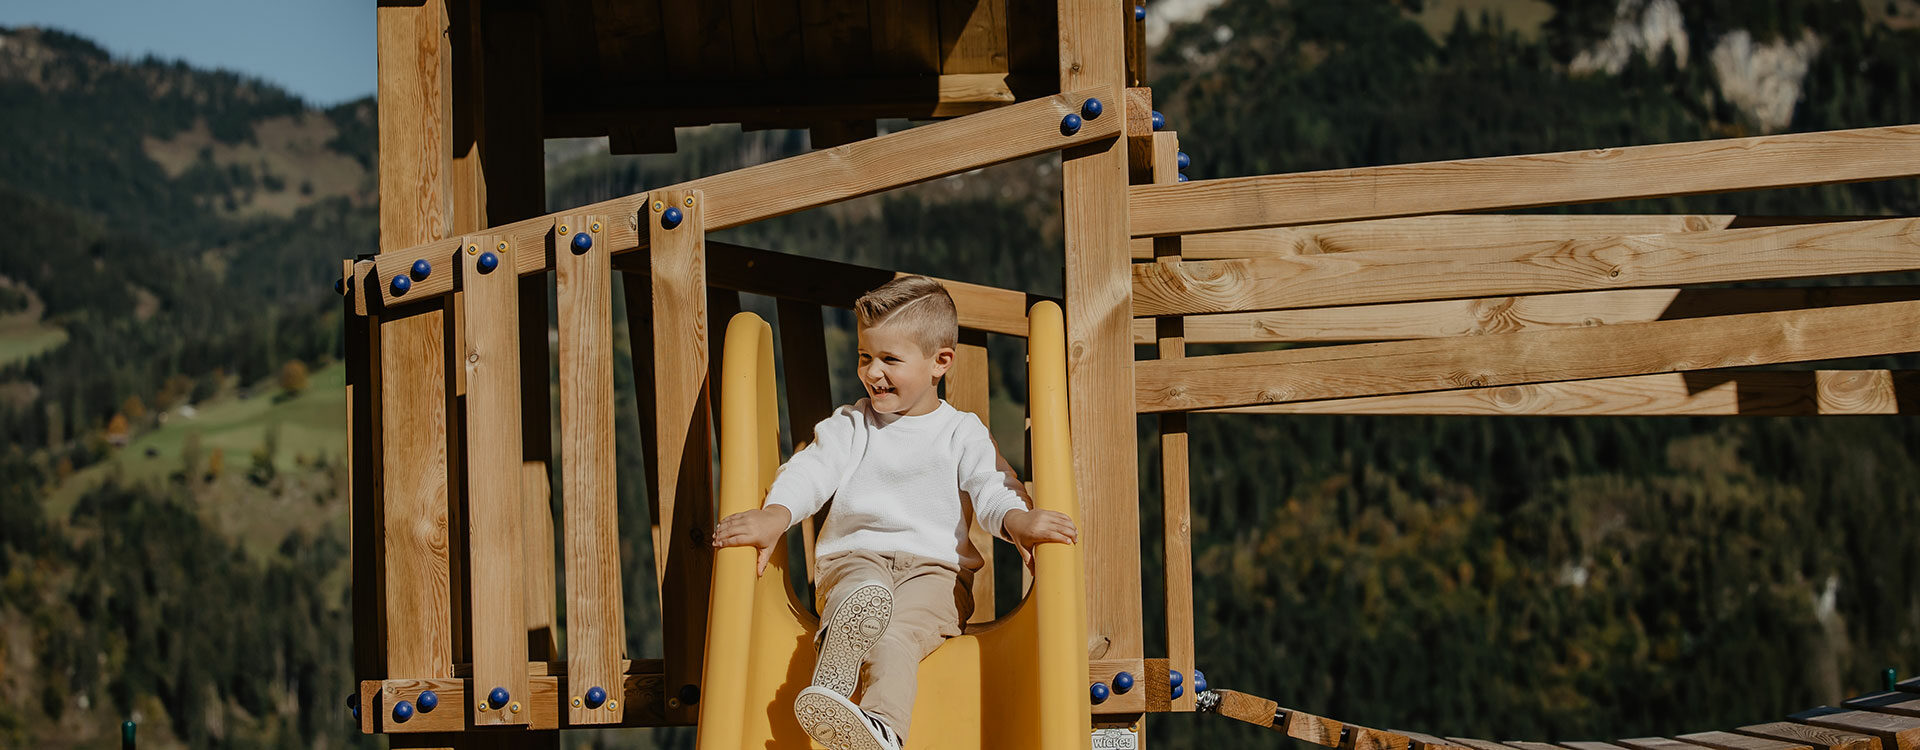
point(973, 36)
point(1132, 701)
point(967, 390)
point(639, 694)
point(1722, 393)
point(776, 33)
point(1522, 745)
point(1478, 744)
point(1510, 182)
point(1251, 709)
point(1891, 702)
point(596, 630)
point(780, 102)
point(1033, 44)
point(1730, 741)
point(1429, 742)
point(1473, 317)
point(1318, 730)
point(906, 38)
point(496, 545)
point(698, 40)
point(364, 503)
point(1841, 248)
point(806, 181)
point(1589, 745)
point(1448, 231)
point(1364, 738)
point(1894, 732)
point(683, 494)
point(1820, 738)
point(1527, 357)
point(1176, 542)
point(1100, 356)
point(1911, 685)
point(834, 284)
point(803, 351)
point(629, 37)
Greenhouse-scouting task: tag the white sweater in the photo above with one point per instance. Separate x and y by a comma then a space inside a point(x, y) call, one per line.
point(900, 484)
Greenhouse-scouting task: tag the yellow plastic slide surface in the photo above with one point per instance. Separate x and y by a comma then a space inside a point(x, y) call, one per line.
point(1020, 682)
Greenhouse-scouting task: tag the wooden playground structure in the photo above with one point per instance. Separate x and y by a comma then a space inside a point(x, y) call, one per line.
point(1420, 297)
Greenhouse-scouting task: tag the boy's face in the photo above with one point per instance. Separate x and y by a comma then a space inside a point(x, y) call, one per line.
point(898, 375)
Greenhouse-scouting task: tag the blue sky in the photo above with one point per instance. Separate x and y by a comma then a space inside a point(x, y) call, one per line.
point(321, 50)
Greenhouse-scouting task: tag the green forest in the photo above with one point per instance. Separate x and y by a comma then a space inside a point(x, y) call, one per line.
point(173, 529)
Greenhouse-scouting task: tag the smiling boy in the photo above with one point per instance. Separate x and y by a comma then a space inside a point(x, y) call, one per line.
point(906, 472)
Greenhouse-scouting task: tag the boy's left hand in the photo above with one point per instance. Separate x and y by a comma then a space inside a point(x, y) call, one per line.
point(1027, 528)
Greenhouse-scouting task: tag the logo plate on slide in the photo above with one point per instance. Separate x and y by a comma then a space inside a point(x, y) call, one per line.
point(1117, 738)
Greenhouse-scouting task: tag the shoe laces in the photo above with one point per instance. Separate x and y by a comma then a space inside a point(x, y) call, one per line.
point(881, 726)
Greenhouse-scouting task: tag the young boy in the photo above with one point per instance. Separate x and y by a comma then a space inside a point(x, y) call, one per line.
point(893, 558)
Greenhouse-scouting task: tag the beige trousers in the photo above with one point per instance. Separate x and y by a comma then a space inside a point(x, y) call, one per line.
point(931, 602)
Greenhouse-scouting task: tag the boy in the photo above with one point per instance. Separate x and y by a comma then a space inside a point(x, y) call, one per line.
point(893, 558)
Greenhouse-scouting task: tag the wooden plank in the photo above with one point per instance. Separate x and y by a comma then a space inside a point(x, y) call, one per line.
point(364, 507)
point(906, 39)
point(1719, 393)
point(495, 496)
point(1176, 540)
point(973, 36)
point(834, 284)
point(1130, 701)
point(1890, 702)
point(797, 183)
point(1137, 50)
point(1510, 182)
point(1033, 44)
point(641, 694)
point(1421, 741)
point(1318, 730)
point(1473, 317)
point(1228, 380)
point(1588, 745)
point(596, 629)
point(1911, 685)
point(780, 102)
point(1251, 709)
point(967, 390)
point(1100, 355)
point(1443, 231)
point(629, 38)
point(776, 33)
point(1364, 277)
point(803, 350)
point(1478, 744)
point(838, 37)
point(698, 41)
point(1820, 738)
point(1728, 741)
point(1894, 732)
point(683, 494)
point(1531, 745)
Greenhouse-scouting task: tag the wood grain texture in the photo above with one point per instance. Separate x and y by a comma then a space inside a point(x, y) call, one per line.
point(1364, 277)
point(806, 181)
point(1176, 507)
point(1717, 393)
point(683, 444)
point(1363, 738)
point(698, 40)
point(1728, 741)
point(906, 39)
point(967, 390)
point(1894, 732)
point(1474, 317)
point(640, 694)
point(628, 35)
point(1819, 738)
point(1892, 702)
point(1423, 741)
point(973, 36)
point(1510, 182)
point(803, 352)
point(364, 503)
point(1229, 380)
point(779, 102)
point(1318, 730)
point(1589, 745)
point(1099, 350)
point(1251, 709)
point(496, 544)
point(1128, 702)
point(1442, 231)
point(596, 630)
point(1478, 744)
point(835, 284)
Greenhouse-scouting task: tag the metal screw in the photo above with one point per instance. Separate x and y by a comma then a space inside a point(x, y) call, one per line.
point(502, 247)
point(563, 229)
point(596, 227)
point(473, 249)
point(689, 201)
point(673, 703)
point(659, 205)
point(576, 701)
point(613, 704)
point(514, 707)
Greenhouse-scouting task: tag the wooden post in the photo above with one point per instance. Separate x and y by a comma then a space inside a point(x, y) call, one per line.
point(683, 492)
point(1175, 503)
point(1100, 349)
point(364, 504)
point(967, 390)
point(803, 347)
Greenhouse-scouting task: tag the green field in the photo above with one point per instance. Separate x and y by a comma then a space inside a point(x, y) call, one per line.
point(18, 345)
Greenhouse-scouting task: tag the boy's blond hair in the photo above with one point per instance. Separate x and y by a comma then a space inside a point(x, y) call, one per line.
point(919, 304)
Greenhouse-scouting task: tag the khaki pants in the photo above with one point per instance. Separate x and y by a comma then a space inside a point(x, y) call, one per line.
point(931, 602)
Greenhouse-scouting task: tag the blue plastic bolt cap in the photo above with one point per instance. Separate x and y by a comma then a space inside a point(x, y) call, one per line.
point(596, 695)
point(339, 286)
point(1070, 124)
point(422, 269)
point(1139, 12)
point(1159, 120)
point(1199, 681)
point(1178, 691)
point(498, 697)
point(401, 284)
point(1181, 158)
point(1099, 692)
point(689, 694)
point(1123, 682)
point(671, 217)
point(428, 701)
point(487, 262)
point(1183, 178)
point(1174, 678)
point(1091, 108)
point(582, 242)
point(402, 711)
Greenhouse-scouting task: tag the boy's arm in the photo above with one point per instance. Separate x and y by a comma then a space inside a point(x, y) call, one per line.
point(808, 479)
point(986, 477)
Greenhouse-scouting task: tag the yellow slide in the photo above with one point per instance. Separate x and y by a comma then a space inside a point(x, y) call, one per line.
point(1018, 682)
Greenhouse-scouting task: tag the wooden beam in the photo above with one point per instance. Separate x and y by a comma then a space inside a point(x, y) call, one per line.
point(1449, 231)
point(803, 352)
point(1894, 732)
point(1474, 317)
point(1719, 393)
point(1730, 741)
point(967, 390)
point(495, 495)
point(1176, 535)
point(1890, 702)
point(584, 113)
point(806, 181)
point(1229, 380)
point(835, 284)
point(640, 693)
point(1820, 738)
point(1356, 278)
point(1510, 182)
point(364, 503)
point(596, 615)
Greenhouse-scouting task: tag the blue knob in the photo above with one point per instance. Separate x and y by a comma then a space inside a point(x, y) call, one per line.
point(1123, 682)
point(339, 286)
point(1199, 681)
point(1178, 691)
point(498, 697)
point(1091, 109)
point(1139, 12)
point(1174, 678)
point(1183, 178)
point(1159, 120)
point(582, 242)
point(1070, 124)
point(401, 284)
point(421, 268)
point(1181, 158)
point(402, 711)
point(353, 703)
point(487, 262)
point(689, 694)
point(671, 217)
point(596, 696)
point(428, 701)
point(1099, 692)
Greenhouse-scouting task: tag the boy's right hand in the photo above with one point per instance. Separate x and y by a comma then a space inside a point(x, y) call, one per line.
point(754, 528)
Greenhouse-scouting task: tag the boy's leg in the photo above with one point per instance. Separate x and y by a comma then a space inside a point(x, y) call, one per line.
point(857, 588)
point(930, 603)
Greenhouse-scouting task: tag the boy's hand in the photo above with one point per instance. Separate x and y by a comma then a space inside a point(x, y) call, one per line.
point(755, 528)
point(1026, 528)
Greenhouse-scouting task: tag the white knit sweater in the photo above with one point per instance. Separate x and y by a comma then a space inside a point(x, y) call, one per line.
point(900, 484)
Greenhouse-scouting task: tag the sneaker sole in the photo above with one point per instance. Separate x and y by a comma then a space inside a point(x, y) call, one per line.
point(857, 625)
point(832, 724)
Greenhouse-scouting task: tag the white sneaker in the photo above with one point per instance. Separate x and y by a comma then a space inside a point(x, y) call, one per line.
point(832, 720)
point(852, 630)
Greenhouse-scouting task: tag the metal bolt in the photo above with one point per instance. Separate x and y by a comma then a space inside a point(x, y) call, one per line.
point(595, 228)
point(689, 201)
point(514, 707)
point(563, 229)
point(502, 247)
point(673, 703)
point(576, 701)
point(659, 205)
point(473, 249)
point(613, 704)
